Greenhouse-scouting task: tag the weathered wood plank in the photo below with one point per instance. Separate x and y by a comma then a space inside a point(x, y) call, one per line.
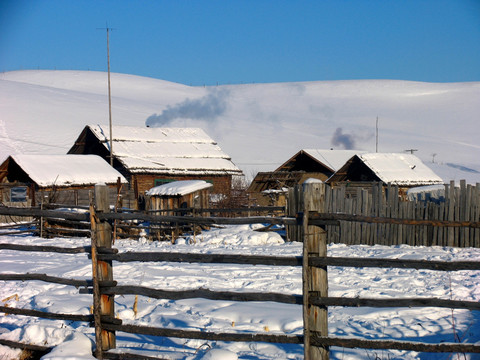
point(204, 258)
point(392, 302)
point(201, 293)
point(45, 278)
point(395, 263)
point(43, 248)
point(395, 344)
point(103, 305)
point(320, 219)
point(314, 278)
point(40, 350)
point(45, 314)
point(202, 335)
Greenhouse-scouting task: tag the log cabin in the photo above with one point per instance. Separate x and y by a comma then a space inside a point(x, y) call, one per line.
point(269, 188)
point(405, 170)
point(66, 179)
point(149, 157)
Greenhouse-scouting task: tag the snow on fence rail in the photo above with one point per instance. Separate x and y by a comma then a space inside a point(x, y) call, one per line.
point(310, 223)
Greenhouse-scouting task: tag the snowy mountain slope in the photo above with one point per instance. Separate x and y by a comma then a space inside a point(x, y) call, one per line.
point(258, 125)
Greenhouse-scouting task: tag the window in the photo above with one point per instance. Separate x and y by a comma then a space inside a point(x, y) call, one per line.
point(159, 182)
point(18, 194)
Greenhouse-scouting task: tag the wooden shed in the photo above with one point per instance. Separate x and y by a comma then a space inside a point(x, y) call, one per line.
point(149, 157)
point(179, 194)
point(66, 179)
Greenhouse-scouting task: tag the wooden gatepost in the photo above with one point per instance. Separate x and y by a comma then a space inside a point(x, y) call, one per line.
point(103, 305)
point(304, 199)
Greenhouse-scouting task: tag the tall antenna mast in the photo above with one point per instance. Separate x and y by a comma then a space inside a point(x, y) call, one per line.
point(376, 136)
point(109, 100)
point(109, 95)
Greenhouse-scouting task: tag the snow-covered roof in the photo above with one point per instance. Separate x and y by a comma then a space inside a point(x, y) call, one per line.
point(179, 188)
point(67, 170)
point(166, 150)
point(334, 159)
point(424, 192)
point(400, 169)
point(313, 181)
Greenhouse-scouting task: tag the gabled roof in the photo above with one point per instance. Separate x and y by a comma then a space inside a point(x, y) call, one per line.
point(390, 168)
point(334, 159)
point(330, 159)
point(64, 170)
point(164, 150)
point(179, 188)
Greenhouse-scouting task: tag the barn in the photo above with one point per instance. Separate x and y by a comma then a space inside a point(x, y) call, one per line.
point(404, 170)
point(66, 179)
point(150, 157)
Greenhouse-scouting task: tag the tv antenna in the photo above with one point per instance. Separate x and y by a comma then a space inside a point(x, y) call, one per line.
point(109, 93)
point(411, 151)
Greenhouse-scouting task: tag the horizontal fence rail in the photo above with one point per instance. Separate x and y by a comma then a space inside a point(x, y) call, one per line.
point(45, 278)
point(333, 219)
point(43, 248)
point(38, 349)
point(204, 258)
point(318, 340)
point(315, 218)
point(201, 335)
point(45, 314)
point(393, 302)
point(201, 293)
point(394, 263)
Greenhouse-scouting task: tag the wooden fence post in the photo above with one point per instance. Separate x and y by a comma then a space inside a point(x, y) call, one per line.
point(315, 279)
point(103, 305)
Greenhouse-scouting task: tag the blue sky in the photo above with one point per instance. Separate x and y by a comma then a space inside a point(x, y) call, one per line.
point(245, 41)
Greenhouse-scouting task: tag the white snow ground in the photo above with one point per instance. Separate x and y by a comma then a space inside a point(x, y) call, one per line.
point(259, 125)
point(73, 339)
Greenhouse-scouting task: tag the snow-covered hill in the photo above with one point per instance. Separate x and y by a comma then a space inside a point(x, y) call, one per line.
point(259, 125)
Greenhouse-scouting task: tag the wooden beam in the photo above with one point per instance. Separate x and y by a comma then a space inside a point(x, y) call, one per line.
point(202, 293)
point(315, 279)
point(204, 258)
point(395, 344)
point(319, 300)
point(103, 305)
point(395, 263)
point(202, 335)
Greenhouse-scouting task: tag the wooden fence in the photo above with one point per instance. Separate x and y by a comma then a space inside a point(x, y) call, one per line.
point(310, 221)
point(459, 204)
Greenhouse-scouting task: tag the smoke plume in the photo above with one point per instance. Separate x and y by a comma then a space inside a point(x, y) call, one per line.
point(209, 107)
point(345, 141)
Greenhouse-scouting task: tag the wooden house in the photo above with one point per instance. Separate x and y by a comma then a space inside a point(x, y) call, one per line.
point(320, 163)
point(179, 194)
point(404, 170)
point(65, 179)
point(268, 188)
point(150, 157)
